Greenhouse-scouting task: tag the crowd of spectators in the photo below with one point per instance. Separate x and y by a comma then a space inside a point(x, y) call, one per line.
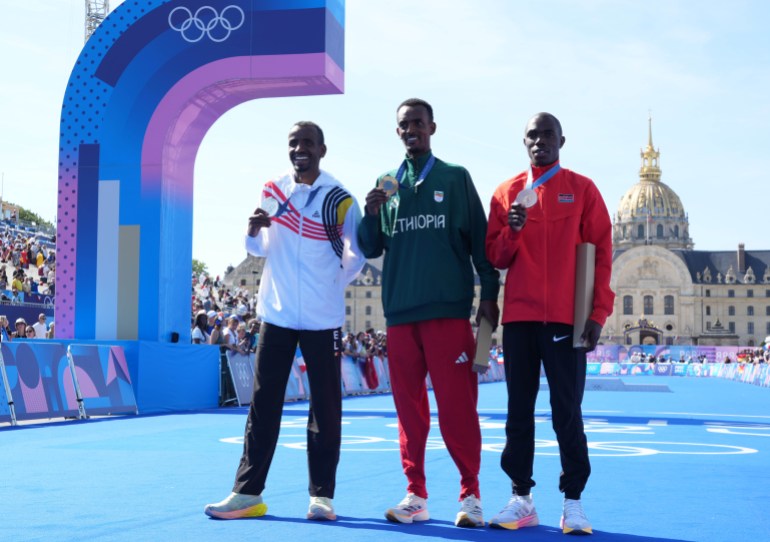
point(27, 262)
point(27, 276)
point(754, 356)
point(365, 344)
point(223, 316)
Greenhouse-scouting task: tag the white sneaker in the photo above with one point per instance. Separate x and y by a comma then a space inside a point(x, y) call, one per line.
point(519, 512)
point(237, 505)
point(573, 519)
point(321, 508)
point(411, 508)
point(470, 513)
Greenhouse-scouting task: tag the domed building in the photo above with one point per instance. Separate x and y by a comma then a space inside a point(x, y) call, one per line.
point(651, 210)
point(668, 293)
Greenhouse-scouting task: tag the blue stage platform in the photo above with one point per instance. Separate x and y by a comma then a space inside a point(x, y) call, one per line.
point(689, 464)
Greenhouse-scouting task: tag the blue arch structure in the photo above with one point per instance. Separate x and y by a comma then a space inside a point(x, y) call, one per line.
point(146, 88)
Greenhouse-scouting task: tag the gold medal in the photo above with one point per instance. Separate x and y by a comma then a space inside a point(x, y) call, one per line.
point(389, 184)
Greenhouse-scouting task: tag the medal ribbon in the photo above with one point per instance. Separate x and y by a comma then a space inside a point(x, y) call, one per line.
point(424, 173)
point(284, 207)
point(544, 178)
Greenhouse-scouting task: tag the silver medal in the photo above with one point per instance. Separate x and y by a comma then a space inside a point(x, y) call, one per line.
point(270, 206)
point(526, 197)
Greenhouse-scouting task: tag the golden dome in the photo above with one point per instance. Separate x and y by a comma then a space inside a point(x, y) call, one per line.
point(650, 212)
point(655, 198)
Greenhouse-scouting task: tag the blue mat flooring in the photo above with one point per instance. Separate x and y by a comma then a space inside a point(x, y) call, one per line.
point(688, 464)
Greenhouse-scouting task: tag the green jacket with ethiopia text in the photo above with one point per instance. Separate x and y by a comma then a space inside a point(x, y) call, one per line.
point(433, 236)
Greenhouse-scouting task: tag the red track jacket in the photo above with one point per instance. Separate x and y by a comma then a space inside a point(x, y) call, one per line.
point(540, 259)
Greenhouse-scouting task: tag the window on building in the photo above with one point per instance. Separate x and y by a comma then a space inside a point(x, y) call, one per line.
point(659, 231)
point(731, 310)
point(348, 327)
point(640, 232)
point(749, 293)
point(730, 293)
point(750, 311)
point(708, 310)
point(628, 304)
point(750, 328)
point(708, 326)
point(368, 310)
point(368, 324)
point(767, 328)
point(731, 327)
point(767, 293)
point(669, 340)
point(368, 294)
point(668, 304)
point(708, 293)
point(648, 305)
point(348, 294)
point(767, 310)
point(347, 310)
point(676, 232)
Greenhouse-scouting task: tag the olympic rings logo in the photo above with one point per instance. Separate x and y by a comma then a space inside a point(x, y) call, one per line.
point(206, 22)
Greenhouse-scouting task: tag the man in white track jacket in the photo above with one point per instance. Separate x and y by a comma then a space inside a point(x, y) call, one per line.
point(305, 227)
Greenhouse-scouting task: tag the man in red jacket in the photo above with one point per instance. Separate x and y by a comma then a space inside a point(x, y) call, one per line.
point(536, 221)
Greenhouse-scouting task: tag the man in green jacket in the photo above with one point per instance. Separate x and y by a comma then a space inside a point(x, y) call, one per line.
point(428, 220)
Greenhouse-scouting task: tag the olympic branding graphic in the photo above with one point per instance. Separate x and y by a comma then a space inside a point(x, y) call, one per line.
point(206, 21)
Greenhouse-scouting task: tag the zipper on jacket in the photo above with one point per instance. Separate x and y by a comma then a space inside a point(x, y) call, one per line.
point(299, 270)
point(545, 270)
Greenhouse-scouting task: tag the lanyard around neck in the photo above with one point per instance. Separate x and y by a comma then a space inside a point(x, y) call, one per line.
point(424, 173)
point(544, 178)
point(284, 207)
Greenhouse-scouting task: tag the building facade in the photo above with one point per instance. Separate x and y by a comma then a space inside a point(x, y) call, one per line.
point(669, 293)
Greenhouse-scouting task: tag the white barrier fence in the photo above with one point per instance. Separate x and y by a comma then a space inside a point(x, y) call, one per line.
point(359, 376)
point(367, 376)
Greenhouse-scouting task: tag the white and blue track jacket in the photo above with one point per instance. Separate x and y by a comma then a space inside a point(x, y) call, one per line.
point(311, 251)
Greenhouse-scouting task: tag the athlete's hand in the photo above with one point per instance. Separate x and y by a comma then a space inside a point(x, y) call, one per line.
point(517, 216)
point(591, 334)
point(488, 309)
point(260, 219)
point(374, 200)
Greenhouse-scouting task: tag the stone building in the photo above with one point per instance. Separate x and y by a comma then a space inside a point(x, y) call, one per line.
point(363, 300)
point(669, 293)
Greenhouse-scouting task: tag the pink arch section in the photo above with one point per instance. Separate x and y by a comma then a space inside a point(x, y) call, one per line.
point(173, 137)
point(192, 106)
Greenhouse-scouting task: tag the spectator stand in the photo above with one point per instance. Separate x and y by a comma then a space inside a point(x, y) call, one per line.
point(16, 237)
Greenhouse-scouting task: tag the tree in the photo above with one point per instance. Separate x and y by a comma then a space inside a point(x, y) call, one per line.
point(28, 216)
point(199, 267)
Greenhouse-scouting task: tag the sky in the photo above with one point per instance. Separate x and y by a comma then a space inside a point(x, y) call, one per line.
point(698, 67)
